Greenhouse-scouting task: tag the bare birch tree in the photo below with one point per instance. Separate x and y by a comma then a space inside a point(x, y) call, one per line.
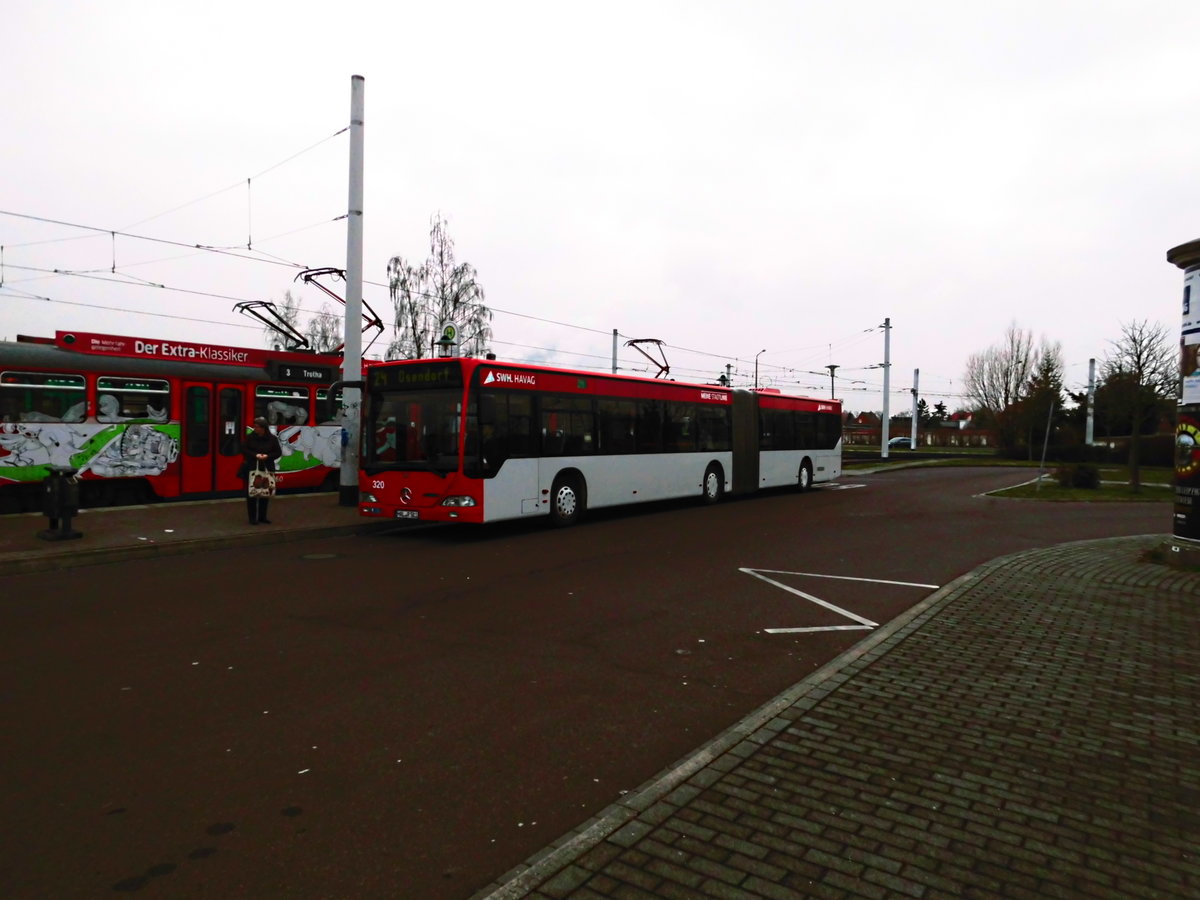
point(324, 330)
point(438, 290)
point(289, 311)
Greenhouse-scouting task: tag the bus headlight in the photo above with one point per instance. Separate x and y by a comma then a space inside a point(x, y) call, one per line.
point(459, 501)
point(366, 497)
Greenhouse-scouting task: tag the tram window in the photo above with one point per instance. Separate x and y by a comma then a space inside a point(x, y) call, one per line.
point(132, 399)
point(230, 439)
point(196, 421)
point(42, 397)
point(329, 411)
point(281, 404)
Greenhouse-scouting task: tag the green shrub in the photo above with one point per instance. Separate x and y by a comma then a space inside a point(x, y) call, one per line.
point(1080, 475)
point(1077, 453)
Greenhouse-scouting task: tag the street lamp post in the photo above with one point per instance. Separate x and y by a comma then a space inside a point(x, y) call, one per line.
point(756, 356)
point(832, 368)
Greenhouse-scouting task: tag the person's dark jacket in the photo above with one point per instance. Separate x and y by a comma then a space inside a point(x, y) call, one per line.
point(255, 444)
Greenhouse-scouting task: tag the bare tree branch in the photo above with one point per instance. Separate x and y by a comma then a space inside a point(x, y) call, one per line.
point(1147, 353)
point(1140, 372)
point(324, 330)
point(439, 290)
point(995, 378)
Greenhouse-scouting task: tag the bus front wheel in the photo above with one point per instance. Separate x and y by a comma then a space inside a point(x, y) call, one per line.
point(806, 476)
point(566, 501)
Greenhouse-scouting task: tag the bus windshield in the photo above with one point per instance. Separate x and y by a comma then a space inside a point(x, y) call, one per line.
point(412, 429)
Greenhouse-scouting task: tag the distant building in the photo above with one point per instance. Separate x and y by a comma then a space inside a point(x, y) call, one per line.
point(866, 430)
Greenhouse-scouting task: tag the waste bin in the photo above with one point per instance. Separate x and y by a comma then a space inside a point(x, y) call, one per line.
point(60, 501)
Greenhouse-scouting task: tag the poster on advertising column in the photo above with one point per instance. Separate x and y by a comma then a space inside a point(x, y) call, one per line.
point(1190, 339)
point(1187, 428)
point(1190, 368)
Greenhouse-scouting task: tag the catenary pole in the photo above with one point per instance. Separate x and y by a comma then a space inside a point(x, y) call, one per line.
point(352, 353)
point(614, 351)
point(887, 384)
point(916, 394)
point(1091, 404)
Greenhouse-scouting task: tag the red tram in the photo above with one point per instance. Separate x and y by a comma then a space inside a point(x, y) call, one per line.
point(143, 418)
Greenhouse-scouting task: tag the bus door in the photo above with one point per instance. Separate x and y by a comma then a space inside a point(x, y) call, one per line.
point(213, 429)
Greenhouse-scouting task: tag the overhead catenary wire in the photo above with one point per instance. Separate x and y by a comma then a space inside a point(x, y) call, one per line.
point(238, 183)
point(27, 295)
point(224, 251)
point(625, 364)
point(778, 371)
point(723, 358)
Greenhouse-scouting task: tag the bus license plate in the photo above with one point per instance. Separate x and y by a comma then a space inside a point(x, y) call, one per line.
point(406, 514)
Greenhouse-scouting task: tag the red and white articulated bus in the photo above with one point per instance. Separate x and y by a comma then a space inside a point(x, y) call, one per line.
point(474, 440)
point(141, 418)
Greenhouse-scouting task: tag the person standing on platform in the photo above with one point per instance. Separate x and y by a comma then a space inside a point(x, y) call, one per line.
point(260, 449)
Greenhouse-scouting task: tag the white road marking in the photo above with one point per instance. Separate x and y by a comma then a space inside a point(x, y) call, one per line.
point(834, 486)
point(867, 623)
point(864, 624)
point(845, 578)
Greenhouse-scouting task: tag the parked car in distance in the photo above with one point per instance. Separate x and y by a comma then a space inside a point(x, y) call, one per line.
point(900, 443)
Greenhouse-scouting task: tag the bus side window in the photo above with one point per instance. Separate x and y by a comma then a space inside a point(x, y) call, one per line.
point(568, 425)
point(493, 428)
point(679, 427)
point(505, 428)
point(649, 426)
point(617, 420)
point(785, 431)
point(553, 437)
point(714, 427)
point(806, 431)
point(829, 430)
point(517, 438)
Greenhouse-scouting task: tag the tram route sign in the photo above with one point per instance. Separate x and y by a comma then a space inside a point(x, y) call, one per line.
point(290, 371)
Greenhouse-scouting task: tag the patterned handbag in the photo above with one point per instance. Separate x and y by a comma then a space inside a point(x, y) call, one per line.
point(262, 483)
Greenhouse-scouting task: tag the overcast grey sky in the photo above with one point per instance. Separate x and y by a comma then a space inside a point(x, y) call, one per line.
point(725, 176)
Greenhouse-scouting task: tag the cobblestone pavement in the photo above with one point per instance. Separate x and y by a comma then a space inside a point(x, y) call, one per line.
point(1031, 730)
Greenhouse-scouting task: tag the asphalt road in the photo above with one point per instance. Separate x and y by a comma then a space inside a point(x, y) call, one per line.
point(412, 714)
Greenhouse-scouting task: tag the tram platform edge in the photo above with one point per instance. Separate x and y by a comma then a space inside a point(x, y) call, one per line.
point(123, 533)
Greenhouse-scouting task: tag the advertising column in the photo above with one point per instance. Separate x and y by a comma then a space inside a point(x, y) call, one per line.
point(1187, 427)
